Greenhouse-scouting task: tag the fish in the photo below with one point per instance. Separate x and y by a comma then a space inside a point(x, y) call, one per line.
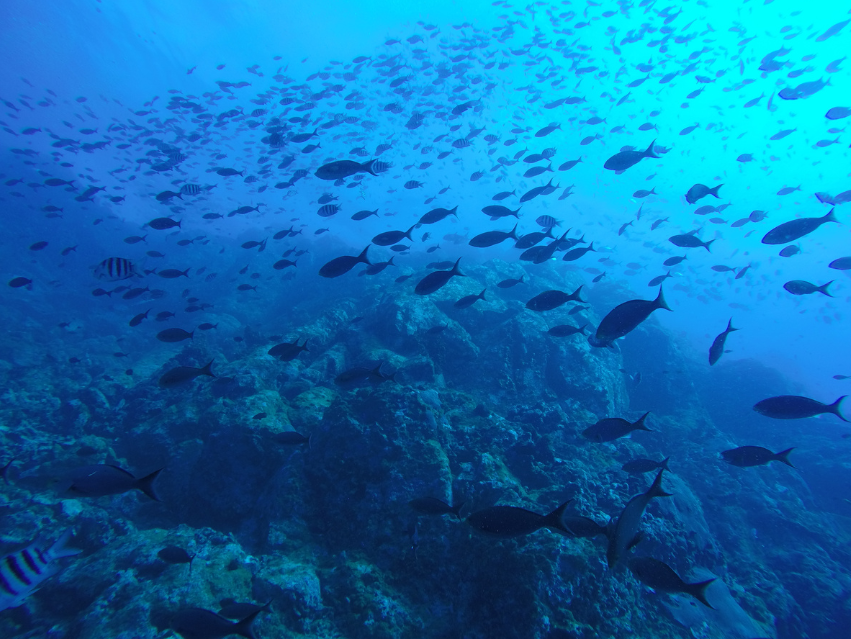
point(838, 113)
point(114, 269)
point(689, 241)
point(625, 159)
point(434, 506)
point(198, 623)
point(173, 335)
point(625, 318)
point(796, 229)
point(548, 300)
point(24, 571)
point(292, 438)
point(748, 456)
point(182, 374)
point(841, 264)
point(288, 351)
point(18, 282)
point(612, 428)
point(510, 283)
point(497, 211)
point(357, 376)
point(717, 348)
point(673, 261)
point(699, 191)
point(343, 264)
point(566, 330)
point(164, 223)
point(789, 251)
point(797, 407)
point(492, 238)
point(802, 287)
point(137, 319)
point(438, 214)
point(575, 254)
point(641, 466)
point(469, 300)
point(175, 555)
point(435, 280)
point(389, 238)
point(623, 533)
point(103, 479)
point(659, 576)
point(510, 521)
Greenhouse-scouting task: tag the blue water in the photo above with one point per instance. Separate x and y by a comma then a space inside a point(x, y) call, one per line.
point(102, 94)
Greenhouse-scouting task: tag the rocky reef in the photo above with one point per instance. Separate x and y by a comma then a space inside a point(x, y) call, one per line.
point(485, 408)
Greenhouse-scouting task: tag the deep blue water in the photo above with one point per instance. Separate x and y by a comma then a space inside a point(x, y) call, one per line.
point(218, 116)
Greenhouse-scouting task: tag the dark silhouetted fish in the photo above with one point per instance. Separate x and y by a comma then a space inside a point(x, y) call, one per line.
point(197, 623)
point(510, 521)
point(343, 169)
point(509, 283)
point(548, 300)
point(434, 506)
point(626, 159)
point(717, 348)
point(436, 280)
point(659, 576)
point(102, 480)
point(747, 456)
point(566, 330)
point(288, 351)
point(700, 191)
point(795, 229)
point(624, 318)
point(802, 287)
point(174, 335)
point(469, 300)
point(612, 428)
point(492, 238)
point(796, 407)
point(641, 466)
point(622, 535)
point(389, 238)
point(343, 264)
point(182, 374)
point(687, 240)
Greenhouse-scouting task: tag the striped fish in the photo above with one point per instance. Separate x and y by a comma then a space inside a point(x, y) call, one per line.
point(22, 572)
point(114, 268)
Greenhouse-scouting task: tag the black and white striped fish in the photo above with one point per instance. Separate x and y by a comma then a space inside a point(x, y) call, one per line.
point(22, 572)
point(115, 268)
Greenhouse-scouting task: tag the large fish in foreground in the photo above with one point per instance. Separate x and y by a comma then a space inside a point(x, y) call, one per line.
point(343, 169)
point(717, 348)
point(624, 318)
point(22, 572)
point(622, 535)
point(198, 623)
point(625, 159)
point(103, 479)
point(796, 407)
point(794, 229)
point(748, 456)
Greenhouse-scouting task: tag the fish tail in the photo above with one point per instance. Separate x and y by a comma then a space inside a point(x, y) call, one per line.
point(575, 295)
point(639, 425)
point(649, 152)
point(656, 488)
point(482, 294)
point(730, 328)
point(243, 627)
point(823, 289)
point(513, 233)
point(553, 520)
point(146, 484)
point(834, 408)
point(362, 256)
point(783, 456)
point(456, 510)
point(698, 591)
point(408, 232)
point(58, 549)
point(455, 270)
point(664, 464)
point(715, 190)
point(582, 328)
point(830, 217)
point(660, 300)
point(591, 246)
point(706, 245)
point(207, 368)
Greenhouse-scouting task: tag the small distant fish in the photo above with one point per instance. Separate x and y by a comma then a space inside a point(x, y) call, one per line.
point(642, 466)
point(717, 348)
point(802, 287)
point(612, 428)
